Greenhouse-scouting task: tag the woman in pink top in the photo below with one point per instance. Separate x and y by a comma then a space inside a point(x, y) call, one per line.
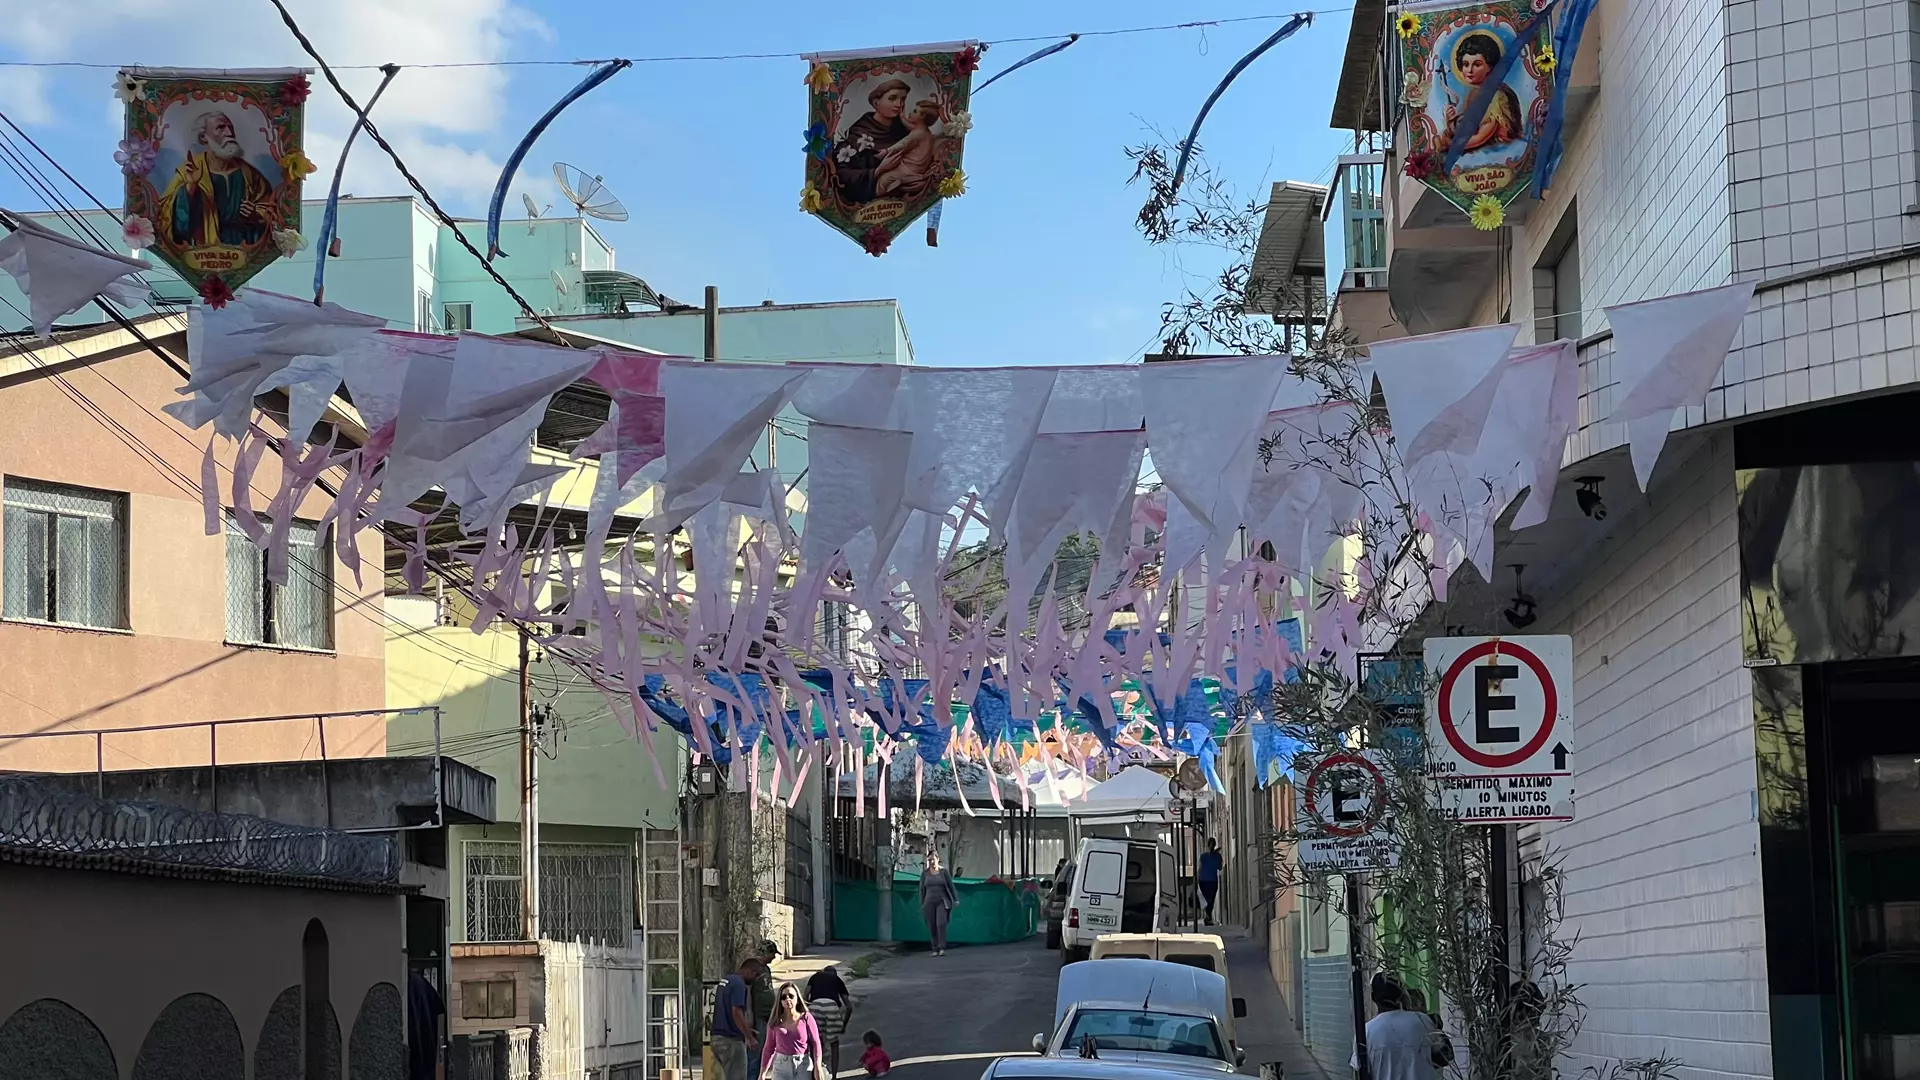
point(793, 1050)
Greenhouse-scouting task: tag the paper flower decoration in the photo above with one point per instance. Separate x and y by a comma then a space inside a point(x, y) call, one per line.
point(1407, 25)
point(820, 76)
point(958, 123)
point(1544, 60)
point(289, 241)
point(954, 186)
point(1420, 165)
point(1487, 214)
point(876, 241)
point(817, 141)
point(137, 232)
point(129, 88)
point(296, 166)
point(135, 156)
point(966, 61)
point(215, 291)
point(295, 90)
point(810, 199)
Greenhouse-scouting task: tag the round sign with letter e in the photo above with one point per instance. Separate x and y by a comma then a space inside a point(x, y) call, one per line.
point(1497, 706)
point(1345, 795)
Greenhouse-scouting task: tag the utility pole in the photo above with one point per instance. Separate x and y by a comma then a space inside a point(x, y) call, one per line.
point(712, 351)
point(529, 801)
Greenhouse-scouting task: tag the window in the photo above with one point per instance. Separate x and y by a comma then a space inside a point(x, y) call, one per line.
point(298, 614)
point(486, 999)
point(458, 317)
point(1159, 1033)
point(1556, 284)
point(1103, 873)
point(65, 555)
point(586, 892)
point(423, 313)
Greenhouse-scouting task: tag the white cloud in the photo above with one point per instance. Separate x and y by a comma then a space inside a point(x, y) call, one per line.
point(431, 115)
point(23, 95)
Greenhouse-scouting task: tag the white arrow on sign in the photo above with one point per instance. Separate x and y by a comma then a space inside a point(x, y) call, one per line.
point(1499, 705)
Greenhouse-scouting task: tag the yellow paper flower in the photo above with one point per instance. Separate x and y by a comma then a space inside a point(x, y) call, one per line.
point(819, 76)
point(954, 186)
point(296, 166)
point(1487, 214)
point(1407, 25)
point(810, 199)
point(1543, 60)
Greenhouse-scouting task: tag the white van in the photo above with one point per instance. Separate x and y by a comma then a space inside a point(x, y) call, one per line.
point(1119, 887)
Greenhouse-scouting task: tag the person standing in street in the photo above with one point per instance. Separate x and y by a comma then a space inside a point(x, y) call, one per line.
point(761, 991)
point(832, 1006)
point(792, 1050)
point(937, 898)
point(1400, 1042)
point(732, 1030)
point(1210, 877)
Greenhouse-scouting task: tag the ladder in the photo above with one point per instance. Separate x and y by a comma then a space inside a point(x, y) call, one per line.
point(660, 885)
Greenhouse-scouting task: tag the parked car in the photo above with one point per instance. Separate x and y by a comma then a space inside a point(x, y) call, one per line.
point(1203, 951)
point(1119, 886)
point(1149, 983)
point(1074, 1067)
point(1053, 907)
point(1185, 1037)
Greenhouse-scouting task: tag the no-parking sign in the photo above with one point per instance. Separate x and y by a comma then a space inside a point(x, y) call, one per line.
point(1498, 726)
point(1341, 813)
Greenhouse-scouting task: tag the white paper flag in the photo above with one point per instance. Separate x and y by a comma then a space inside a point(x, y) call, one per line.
point(1666, 354)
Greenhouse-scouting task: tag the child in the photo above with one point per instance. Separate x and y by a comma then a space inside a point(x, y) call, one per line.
point(907, 166)
point(875, 1060)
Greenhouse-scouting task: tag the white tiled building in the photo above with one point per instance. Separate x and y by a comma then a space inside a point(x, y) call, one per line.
point(1748, 921)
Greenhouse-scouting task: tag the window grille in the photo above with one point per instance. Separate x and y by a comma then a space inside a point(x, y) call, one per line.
point(65, 555)
point(298, 613)
point(586, 892)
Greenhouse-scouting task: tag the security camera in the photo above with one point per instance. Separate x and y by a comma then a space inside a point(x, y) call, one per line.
point(1588, 495)
point(1523, 610)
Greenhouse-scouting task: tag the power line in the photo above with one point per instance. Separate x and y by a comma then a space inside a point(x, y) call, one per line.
point(676, 58)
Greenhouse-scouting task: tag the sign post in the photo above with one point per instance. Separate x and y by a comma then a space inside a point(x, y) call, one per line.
point(1343, 807)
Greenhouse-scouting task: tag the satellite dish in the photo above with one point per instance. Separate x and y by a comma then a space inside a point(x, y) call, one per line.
point(1188, 777)
point(587, 193)
point(526, 200)
point(559, 283)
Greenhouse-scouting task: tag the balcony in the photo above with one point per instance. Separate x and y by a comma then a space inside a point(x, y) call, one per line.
point(1289, 274)
point(1355, 233)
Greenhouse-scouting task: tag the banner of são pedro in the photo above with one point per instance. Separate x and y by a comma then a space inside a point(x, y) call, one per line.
point(214, 162)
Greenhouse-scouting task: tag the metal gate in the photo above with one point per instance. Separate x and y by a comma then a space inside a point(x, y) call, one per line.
point(799, 873)
point(660, 882)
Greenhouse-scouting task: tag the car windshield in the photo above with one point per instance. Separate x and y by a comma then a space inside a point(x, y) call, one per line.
point(1160, 1033)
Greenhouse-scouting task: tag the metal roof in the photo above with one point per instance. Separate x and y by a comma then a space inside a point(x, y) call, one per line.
point(1290, 262)
point(1355, 107)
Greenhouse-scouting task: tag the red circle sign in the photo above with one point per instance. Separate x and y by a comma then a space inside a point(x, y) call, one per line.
point(1379, 792)
point(1547, 692)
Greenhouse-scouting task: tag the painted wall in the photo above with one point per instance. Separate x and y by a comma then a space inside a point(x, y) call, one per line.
point(173, 663)
point(149, 941)
point(598, 772)
point(1662, 868)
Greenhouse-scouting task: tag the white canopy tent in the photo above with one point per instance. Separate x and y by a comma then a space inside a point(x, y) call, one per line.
point(1136, 794)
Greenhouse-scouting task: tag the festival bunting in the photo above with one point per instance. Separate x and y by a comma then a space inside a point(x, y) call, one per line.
point(885, 130)
point(214, 162)
point(1449, 55)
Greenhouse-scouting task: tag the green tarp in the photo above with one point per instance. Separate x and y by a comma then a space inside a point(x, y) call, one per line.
point(990, 911)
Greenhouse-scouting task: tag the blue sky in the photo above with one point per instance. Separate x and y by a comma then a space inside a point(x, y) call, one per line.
point(1038, 263)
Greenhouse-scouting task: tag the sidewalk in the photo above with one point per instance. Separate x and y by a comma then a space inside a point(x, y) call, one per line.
point(845, 956)
point(1267, 1033)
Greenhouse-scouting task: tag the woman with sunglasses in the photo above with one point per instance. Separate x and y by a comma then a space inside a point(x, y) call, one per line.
point(793, 1050)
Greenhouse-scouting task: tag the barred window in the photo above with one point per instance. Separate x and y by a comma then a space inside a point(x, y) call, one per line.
point(65, 555)
point(298, 613)
point(586, 892)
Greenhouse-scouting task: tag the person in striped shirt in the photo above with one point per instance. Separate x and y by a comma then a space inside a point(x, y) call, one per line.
point(832, 1006)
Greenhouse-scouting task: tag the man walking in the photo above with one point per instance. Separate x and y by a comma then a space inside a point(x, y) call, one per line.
point(734, 1042)
point(1210, 877)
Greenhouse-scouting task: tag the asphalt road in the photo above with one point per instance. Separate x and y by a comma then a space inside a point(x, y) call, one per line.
point(947, 1017)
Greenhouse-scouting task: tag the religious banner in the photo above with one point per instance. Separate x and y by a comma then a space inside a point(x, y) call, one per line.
point(1449, 54)
point(884, 134)
point(214, 162)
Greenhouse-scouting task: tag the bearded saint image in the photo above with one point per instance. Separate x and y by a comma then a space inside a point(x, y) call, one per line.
point(216, 197)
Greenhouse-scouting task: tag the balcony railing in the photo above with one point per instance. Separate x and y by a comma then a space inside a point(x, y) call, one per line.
point(1357, 248)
